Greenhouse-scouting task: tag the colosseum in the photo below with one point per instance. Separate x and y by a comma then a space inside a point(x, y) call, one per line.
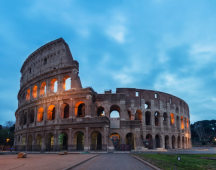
point(51, 117)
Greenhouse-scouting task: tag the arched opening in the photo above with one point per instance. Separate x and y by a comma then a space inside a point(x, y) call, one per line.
point(34, 92)
point(130, 141)
point(63, 141)
point(147, 105)
point(165, 118)
point(51, 112)
point(100, 111)
point(172, 119)
point(80, 109)
point(157, 115)
point(182, 122)
point(148, 118)
point(177, 109)
point(138, 115)
point(187, 123)
point(183, 143)
point(177, 122)
point(114, 111)
point(178, 141)
point(23, 141)
point(38, 142)
point(166, 142)
point(173, 142)
point(40, 114)
point(79, 140)
point(66, 83)
point(29, 146)
point(64, 111)
point(115, 138)
point(157, 141)
point(150, 143)
point(129, 114)
point(43, 88)
point(31, 116)
point(28, 95)
point(53, 85)
point(24, 118)
point(96, 141)
point(50, 142)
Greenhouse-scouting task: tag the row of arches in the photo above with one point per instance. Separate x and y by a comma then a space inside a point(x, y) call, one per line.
point(53, 87)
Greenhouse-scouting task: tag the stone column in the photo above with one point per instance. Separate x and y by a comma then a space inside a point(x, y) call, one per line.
point(88, 106)
point(86, 147)
point(162, 141)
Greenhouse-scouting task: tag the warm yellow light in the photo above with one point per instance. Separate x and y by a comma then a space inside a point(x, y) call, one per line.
point(8, 140)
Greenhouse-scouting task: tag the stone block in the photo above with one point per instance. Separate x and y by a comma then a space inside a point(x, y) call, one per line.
point(21, 155)
point(61, 153)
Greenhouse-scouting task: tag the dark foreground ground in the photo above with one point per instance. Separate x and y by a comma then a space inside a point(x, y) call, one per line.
point(113, 162)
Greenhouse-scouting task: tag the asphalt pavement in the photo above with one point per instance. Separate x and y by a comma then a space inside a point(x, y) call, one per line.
point(113, 162)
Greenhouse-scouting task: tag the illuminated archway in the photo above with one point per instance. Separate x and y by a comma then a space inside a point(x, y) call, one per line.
point(138, 115)
point(182, 122)
point(53, 85)
point(43, 88)
point(28, 95)
point(40, 114)
point(51, 112)
point(80, 109)
point(34, 92)
point(172, 119)
point(66, 83)
point(64, 111)
point(114, 111)
point(100, 111)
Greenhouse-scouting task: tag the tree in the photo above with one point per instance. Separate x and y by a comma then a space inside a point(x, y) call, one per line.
point(199, 129)
point(8, 124)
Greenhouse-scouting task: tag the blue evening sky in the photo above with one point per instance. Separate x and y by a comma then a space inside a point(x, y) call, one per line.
point(163, 45)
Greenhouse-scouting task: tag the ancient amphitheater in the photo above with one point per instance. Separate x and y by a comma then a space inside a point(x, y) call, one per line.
point(81, 119)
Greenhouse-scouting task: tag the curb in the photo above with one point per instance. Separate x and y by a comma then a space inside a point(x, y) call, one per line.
point(70, 167)
point(150, 165)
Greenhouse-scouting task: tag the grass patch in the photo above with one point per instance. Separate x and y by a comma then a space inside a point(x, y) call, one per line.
point(189, 162)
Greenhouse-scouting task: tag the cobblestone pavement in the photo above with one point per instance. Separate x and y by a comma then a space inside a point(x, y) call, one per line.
point(113, 162)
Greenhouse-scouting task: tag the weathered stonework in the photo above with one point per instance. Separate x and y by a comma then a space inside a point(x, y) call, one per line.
point(81, 116)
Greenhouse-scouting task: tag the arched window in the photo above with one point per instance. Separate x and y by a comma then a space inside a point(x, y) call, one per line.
point(114, 111)
point(53, 85)
point(138, 115)
point(182, 122)
point(147, 105)
point(148, 118)
point(129, 114)
point(157, 115)
point(28, 95)
point(165, 116)
point(64, 111)
point(34, 92)
point(31, 116)
point(187, 123)
point(51, 112)
point(43, 88)
point(80, 109)
point(172, 119)
point(100, 111)
point(66, 83)
point(40, 114)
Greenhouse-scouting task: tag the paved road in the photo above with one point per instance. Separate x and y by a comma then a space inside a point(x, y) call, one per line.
point(113, 162)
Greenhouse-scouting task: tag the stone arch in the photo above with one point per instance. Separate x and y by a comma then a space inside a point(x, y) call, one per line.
point(51, 112)
point(28, 94)
point(182, 122)
point(34, 92)
point(150, 141)
point(80, 109)
point(138, 115)
point(64, 111)
point(53, 84)
point(172, 119)
point(50, 141)
point(96, 140)
point(148, 118)
point(40, 114)
point(63, 140)
point(100, 111)
point(157, 117)
point(116, 140)
point(79, 140)
point(166, 142)
point(114, 111)
point(129, 114)
point(157, 141)
point(178, 142)
point(43, 88)
point(66, 82)
point(147, 105)
point(173, 141)
point(183, 142)
point(29, 145)
point(23, 141)
point(130, 140)
point(24, 118)
point(177, 122)
point(31, 116)
point(165, 118)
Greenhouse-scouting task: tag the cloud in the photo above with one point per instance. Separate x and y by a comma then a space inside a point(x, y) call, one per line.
point(123, 78)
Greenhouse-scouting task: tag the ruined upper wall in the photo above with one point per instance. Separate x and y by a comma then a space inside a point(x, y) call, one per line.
point(51, 56)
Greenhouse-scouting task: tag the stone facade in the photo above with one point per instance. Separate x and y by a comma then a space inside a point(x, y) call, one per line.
point(80, 117)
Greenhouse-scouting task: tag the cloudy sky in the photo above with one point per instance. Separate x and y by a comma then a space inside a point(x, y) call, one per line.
point(162, 45)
